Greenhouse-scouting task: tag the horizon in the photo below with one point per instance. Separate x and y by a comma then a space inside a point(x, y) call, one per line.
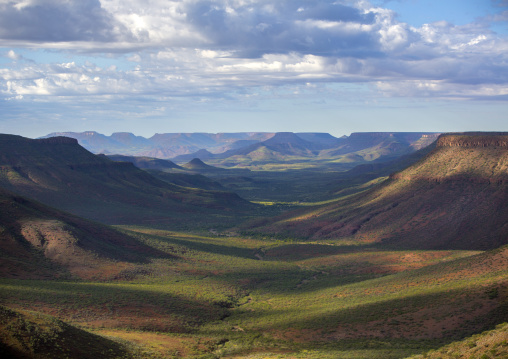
point(220, 66)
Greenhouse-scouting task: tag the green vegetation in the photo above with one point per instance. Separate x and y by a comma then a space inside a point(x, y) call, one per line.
point(243, 297)
point(487, 345)
point(405, 266)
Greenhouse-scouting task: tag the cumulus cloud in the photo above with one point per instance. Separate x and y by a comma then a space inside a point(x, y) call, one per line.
point(56, 21)
point(210, 47)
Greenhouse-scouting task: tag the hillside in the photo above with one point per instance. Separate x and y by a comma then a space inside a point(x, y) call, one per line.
point(62, 174)
point(145, 162)
point(41, 242)
point(489, 344)
point(197, 165)
point(438, 203)
point(26, 334)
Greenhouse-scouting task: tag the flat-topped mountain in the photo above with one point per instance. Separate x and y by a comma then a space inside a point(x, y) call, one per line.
point(62, 174)
point(160, 145)
point(454, 198)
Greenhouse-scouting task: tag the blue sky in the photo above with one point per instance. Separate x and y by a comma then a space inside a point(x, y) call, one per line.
point(337, 66)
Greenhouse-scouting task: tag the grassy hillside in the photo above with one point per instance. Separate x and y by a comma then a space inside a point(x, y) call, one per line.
point(40, 242)
point(237, 297)
point(33, 335)
point(60, 173)
point(455, 197)
point(486, 345)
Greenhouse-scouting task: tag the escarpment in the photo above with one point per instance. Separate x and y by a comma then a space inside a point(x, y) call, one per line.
point(474, 140)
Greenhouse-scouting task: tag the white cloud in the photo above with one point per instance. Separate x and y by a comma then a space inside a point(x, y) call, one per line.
point(208, 48)
point(13, 56)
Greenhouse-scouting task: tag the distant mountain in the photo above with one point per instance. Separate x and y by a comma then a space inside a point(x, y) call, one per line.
point(246, 148)
point(324, 139)
point(454, 198)
point(62, 174)
point(373, 145)
point(278, 147)
point(160, 145)
point(288, 146)
point(120, 142)
point(201, 154)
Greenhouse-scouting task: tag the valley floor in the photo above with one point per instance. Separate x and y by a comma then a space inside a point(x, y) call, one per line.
point(224, 296)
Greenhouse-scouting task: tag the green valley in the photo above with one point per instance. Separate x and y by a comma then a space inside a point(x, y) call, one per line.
point(406, 257)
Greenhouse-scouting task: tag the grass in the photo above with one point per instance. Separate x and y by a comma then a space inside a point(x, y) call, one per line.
point(238, 297)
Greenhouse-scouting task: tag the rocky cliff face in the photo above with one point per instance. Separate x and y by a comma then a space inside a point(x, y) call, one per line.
point(474, 140)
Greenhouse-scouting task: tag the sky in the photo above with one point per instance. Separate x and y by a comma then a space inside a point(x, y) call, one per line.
point(336, 66)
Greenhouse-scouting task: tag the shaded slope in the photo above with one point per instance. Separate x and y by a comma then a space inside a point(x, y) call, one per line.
point(34, 335)
point(37, 241)
point(146, 162)
point(60, 173)
point(454, 198)
point(192, 180)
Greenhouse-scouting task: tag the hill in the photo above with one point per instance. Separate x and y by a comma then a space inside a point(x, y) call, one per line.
point(41, 242)
point(62, 174)
point(146, 162)
point(489, 344)
point(25, 334)
point(438, 202)
point(197, 165)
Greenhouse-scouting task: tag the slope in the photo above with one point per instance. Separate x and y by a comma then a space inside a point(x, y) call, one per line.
point(62, 174)
point(489, 344)
point(26, 334)
point(198, 165)
point(455, 197)
point(145, 162)
point(41, 242)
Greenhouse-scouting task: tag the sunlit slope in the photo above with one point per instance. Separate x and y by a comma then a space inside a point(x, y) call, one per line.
point(60, 173)
point(489, 344)
point(40, 242)
point(455, 197)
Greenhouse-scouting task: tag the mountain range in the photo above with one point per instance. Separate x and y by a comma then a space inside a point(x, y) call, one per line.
point(233, 149)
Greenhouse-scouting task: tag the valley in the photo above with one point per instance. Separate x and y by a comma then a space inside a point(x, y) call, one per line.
point(340, 248)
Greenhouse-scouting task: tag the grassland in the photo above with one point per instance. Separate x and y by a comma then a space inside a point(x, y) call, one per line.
point(233, 297)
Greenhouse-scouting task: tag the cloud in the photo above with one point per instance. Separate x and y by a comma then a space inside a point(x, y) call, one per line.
point(216, 48)
point(13, 56)
point(56, 21)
